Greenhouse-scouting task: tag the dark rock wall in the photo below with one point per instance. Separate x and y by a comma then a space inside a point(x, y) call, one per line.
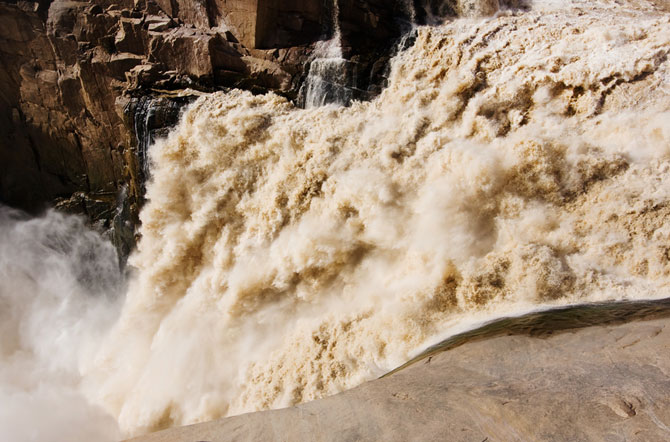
point(58, 136)
point(285, 23)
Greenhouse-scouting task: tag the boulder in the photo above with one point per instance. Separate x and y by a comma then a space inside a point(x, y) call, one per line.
point(183, 49)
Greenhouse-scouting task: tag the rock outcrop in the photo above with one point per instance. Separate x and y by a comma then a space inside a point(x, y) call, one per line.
point(71, 70)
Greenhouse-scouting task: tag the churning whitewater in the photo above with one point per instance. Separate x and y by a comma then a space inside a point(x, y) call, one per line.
point(512, 163)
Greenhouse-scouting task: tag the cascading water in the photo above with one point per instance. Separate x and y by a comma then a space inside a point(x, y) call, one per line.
point(410, 10)
point(330, 77)
point(152, 118)
point(289, 254)
point(327, 81)
point(513, 164)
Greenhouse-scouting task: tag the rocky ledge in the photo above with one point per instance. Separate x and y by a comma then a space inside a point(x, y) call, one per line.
point(606, 382)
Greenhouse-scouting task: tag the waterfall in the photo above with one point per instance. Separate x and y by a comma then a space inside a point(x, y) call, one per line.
point(289, 254)
point(329, 78)
point(513, 164)
point(152, 117)
point(327, 82)
point(410, 10)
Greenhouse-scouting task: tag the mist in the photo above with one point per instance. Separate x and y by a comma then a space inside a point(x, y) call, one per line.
point(60, 289)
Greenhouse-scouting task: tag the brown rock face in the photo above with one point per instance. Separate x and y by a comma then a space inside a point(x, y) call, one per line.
point(256, 24)
point(57, 132)
point(69, 70)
